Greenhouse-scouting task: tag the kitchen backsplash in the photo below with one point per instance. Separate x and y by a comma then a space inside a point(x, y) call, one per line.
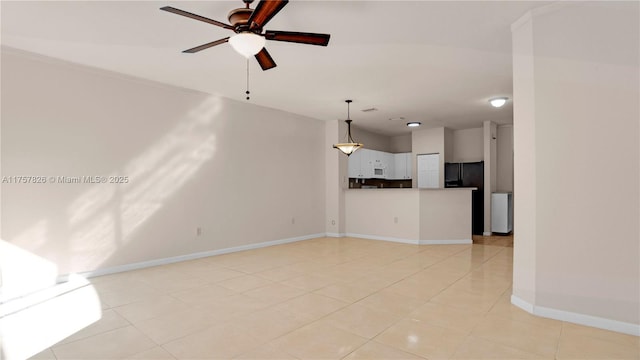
point(378, 183)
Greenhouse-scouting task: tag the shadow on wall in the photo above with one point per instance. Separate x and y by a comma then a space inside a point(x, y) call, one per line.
point(104, 218)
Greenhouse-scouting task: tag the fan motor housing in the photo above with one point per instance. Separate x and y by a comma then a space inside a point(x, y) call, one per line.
point(239, 17)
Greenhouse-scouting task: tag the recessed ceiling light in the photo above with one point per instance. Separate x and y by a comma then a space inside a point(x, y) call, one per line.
point(498, 102)
point(414, 124)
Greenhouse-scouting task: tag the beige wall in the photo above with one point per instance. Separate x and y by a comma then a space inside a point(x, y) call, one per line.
point(373, 141)
point(370, 139)
point(335, 179)
point(428, 141)
point(445, 214)
point(467, 145)
point(448, 145)
point(577, 160)
point(490, 136)
point(192, 160)
point(524, 148)
point(401, 143)
point(504, 158)
point(410, 215)
point(383, 213)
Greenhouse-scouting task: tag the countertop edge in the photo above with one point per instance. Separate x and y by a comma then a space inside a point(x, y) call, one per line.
point(433, 189)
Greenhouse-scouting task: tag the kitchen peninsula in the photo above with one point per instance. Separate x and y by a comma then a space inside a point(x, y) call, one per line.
point(414, 216)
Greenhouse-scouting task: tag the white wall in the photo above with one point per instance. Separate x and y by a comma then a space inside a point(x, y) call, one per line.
point(467, 145)
point(192, 160)
point(577, 161)
point(504, 158)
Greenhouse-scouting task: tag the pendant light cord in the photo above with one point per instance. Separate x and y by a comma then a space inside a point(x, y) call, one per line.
point(349, 138)
point(248, 92)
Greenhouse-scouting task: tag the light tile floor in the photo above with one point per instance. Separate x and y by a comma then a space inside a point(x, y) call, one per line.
point(331, 298)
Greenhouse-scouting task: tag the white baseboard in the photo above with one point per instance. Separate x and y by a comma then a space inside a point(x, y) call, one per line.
point(486, 233)
point(445, 242)
point(198, 255)
point(411, 241)
point(383, 238)
point(521, 304)
point(336, 235)
point(576, 318)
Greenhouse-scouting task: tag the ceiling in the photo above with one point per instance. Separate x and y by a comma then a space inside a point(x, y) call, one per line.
point(437, 62)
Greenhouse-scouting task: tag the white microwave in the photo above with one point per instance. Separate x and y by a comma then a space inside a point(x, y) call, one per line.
point(379, 171)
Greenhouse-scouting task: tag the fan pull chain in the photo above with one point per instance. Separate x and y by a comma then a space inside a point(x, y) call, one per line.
point(248, 92)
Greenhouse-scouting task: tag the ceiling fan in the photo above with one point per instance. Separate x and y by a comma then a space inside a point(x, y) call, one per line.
point(248, 25)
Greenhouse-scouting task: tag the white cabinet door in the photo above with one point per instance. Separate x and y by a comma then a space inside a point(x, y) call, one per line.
point(389, 163)
point(400, 166)
point(354, 161)
point(376, 160)
point(366, 167)
point(359, 164)
point(363, 162)
point(409, 165)
point(429, 171)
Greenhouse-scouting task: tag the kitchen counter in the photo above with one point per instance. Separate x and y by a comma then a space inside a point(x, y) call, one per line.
point(415, 216)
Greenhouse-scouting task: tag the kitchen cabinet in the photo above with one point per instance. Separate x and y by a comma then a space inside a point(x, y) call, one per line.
point(402, 166)
point(374, 164)
point(360, 164)
point(379, 162)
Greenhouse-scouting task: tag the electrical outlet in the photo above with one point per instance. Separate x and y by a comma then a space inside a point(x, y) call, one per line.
point(198, 231)
point(333, 222)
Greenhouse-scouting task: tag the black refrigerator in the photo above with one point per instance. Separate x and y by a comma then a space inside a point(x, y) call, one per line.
point(469, 174)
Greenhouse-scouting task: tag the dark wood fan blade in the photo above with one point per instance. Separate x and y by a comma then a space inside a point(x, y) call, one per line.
point(298, 37)
point(265, 10)
point(265, 60)
point(196, 17)
point(206, 46)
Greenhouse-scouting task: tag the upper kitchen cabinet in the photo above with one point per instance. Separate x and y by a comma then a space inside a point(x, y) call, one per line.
point(360, 164)
point(373, 164)
point(402, 166)
point(381, 164)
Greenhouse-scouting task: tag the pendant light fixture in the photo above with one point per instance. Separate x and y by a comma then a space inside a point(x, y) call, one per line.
point(350, 146)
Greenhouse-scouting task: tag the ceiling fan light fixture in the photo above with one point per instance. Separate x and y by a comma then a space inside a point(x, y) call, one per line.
point(350, 146)
point(247, 43)
point(498, 102)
